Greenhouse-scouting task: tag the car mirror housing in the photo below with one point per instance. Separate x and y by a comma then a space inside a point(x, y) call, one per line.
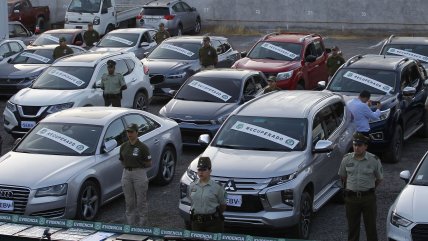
point(109, 145)
point(157, 79)
point(323, 146)
point(321, 85)
point(243, 54)
point(9, 60)
point(204, 139)
point(405, 175)
point(144, 44)
point(409, 91)
point(310, 58)
point(97, 84)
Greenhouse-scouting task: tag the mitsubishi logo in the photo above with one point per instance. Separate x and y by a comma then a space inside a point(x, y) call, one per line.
point(230, 186)
point(6, 193)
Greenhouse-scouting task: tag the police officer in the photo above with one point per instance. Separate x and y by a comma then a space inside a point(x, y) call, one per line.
point(162, 34)
point(62, 49)
point(334, 61)
point(113, 84)
point(91, 36)
point(207, 55)
point(272, 85)
point(135, 158)
point(208, 200)
point(361, 172)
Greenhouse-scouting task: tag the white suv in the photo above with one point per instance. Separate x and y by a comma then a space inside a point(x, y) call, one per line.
point(73, 82)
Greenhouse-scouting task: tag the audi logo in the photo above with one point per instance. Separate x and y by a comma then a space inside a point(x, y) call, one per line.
point(6, 193)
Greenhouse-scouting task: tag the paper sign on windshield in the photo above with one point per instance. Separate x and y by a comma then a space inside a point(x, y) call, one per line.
point(66, 76)
point(368, 81)
point(265, 134)
point(177, 49)
point(50, 37)
point(279, 50)
point(63, 140)
point(408, 54)
point(35, 56)
point(121, 40)
point(210, 90)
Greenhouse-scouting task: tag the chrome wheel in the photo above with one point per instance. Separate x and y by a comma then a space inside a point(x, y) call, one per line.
point(166, 166)
point(197, 26)
point(140, 101)
point(89, 199)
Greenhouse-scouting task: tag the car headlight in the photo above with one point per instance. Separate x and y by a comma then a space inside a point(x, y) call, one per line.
point(10, 106)
point(59, 107)
point(96, 21)
point(282, 179)
point(384, 114)
point(191, 174)
point(397, 220)
point(57, 190)
point(220, 120)
point(284, 75)
point(179, 75)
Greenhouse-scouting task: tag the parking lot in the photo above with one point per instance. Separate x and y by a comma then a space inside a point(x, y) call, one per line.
point(328, 224)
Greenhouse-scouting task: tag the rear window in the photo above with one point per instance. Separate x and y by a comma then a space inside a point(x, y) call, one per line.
point(155, 11)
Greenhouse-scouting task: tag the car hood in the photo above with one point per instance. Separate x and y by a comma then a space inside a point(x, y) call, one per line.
point(251, 164)
point(163, 66)
point(103, 49)
point(197, 110)
point(266, 65)
point(385, 100)
point(38, 170)
point(16, 71)
point(43, 97)
point(411, 203)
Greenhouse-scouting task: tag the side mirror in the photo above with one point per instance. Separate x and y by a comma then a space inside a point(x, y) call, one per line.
point(409, 91)
point(146, 54)
point(97, 84)
point(405, 175)
point(17, 141)
point(321, 85)
point(78, 43)
point(310, 58)
point(243, 54)
point(1, 58)
point(144, 44)
point(157, 79)
point(104, 10)
point(172, 92)
point(16, 11)
point(204, 140)
point(323, 146)
point(9, 60)
point(109, 145)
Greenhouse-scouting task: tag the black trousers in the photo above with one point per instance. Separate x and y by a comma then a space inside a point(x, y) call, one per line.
point(113, 100)
point(365, 205)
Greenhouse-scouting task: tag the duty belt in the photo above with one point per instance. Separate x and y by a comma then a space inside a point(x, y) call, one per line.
point(360, 193)
point(201, 218)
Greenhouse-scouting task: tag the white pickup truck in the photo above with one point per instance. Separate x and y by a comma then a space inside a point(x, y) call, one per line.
point(106, 15)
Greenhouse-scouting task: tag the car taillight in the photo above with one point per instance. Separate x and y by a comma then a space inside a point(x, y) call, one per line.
point(146, 69)
point(169, 17)
point(139, 16)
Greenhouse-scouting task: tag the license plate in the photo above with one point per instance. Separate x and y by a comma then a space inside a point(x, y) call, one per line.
point(234, 200)
point(28, 124)
point(79, 27)
point(6, 205)
point(151, 20)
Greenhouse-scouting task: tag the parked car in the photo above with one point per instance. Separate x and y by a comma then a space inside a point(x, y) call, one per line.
point(207, 98)
point(74, 82)
point(177, 16)
point(69, 163)
point(25, 67)
point(277, 157)
point(297, 60)
point(9, 49)
point(395, 82)
point(27, 14)
point(177, 58)
point(408, 215)
point(135, 40)
point(72, 36)
point(19, 32)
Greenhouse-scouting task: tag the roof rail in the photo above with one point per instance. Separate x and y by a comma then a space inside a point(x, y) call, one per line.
point(390, 38)
point(270, 34)
point(111, 54)
point(307, 36)
point(353, 59)
point(402, 61)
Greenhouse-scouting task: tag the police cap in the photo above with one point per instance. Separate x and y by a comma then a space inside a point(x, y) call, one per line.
point(204, 162)
point(132, 127)
point(359, 138)
point(111, 63)
point(62, 39)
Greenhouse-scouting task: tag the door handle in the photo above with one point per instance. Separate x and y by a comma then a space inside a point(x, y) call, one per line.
point(134, 79)
point(156, 141)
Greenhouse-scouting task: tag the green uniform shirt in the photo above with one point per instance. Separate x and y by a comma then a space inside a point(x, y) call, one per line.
point(333, 63)
point(206, 197)
point(137, 155)
point(160, 36)
point(112, 84)
point(207, 56)
point(361, 174)
point(91, 37)
point(61, 51)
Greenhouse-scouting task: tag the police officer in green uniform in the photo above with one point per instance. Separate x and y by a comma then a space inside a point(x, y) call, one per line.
point(272, 85)
point(334, 61)
point(162, 34)
point(208, 200)
point(62, 49)
point(91, 36)
point(135, 158)
point(113, 84)
point(361, 172)
point(207, 55)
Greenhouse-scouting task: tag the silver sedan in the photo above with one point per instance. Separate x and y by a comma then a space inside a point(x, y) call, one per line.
point(69, 164)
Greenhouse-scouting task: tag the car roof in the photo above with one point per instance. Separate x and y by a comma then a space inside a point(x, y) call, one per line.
point(63, 30)
point(87, 58)
point(372, 61)
point(160, 3)
point(226, 73)
point(193, 38)
point(290, 37)
point(408, 40)
point(285, 103)
point(131, 30)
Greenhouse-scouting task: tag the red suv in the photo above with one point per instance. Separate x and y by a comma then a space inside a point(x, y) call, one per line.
point(298, 60)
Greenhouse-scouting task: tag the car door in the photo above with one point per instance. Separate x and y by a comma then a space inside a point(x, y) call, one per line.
point(221, 55)
point(310, 69)
point(5, 52)
point(144, 38)
point(231, 55)
point(130, 80)
point(179, 15)
point(321, 69)
point(189, 17)
point(107, 14)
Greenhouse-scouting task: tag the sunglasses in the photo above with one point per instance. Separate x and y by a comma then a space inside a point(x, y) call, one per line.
point(202, 169)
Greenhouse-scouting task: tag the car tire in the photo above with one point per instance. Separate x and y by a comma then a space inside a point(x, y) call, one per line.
point(393, 154)
point(88, 201)
point(198, 26)
point(141, 101)
point(180, 30)
point(302, 229)
point(167, 164)
point(41, 23)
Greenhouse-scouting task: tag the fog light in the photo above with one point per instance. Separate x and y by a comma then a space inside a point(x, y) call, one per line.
point(287, 197)
point(378, 136)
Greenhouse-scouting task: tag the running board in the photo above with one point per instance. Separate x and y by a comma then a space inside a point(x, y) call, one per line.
point(326, 196)
point(413, 131)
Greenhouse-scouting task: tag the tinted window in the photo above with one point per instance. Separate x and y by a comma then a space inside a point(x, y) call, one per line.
point(116, 131)
point(259, 81)
point(276, 51)
point(34, 56)
point(131, 65)
point(178, 8)
point(84, 6)
point(338, 111)
point(64, 78)
point(319, 48)
point(176, 50)
point(186, 7)
point(318, 132)
point(421, 50)
point(310, 50)
point(217, 46)
point(48, 38)
point(329, 120)
point(155, 11)
point(119, 40)
point(121, 67)
point(144, 125)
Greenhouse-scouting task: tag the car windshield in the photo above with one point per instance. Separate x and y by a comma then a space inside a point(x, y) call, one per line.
point(262, 133)
point(176, 50)
point(414, 51)
point(52, 38)
point(119, 40)
point(61, 139)
point(64, 78)
point(34, 56)
point(356, 80)
point(84, 6)
point(210, 89)
point(421, 176)
point(276, 51)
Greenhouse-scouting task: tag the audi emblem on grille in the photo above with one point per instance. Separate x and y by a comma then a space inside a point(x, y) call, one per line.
point(6, 193)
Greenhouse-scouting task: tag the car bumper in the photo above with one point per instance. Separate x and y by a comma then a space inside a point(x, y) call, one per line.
point(12, 122)
point(398, 233)
point(190, 132)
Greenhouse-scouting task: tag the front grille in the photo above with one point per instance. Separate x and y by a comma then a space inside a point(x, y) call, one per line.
point(19, 198)
point(52, 213)
point(30, 110)
point(191, 136)
point(420, 232)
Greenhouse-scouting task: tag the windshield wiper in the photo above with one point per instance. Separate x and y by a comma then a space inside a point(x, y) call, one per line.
point(227, 146)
